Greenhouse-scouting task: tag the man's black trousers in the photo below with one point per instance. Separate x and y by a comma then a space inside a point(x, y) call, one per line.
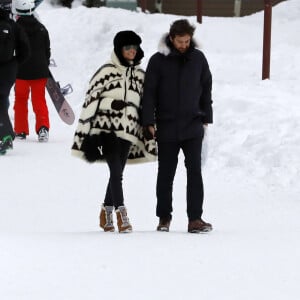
point(167, 164)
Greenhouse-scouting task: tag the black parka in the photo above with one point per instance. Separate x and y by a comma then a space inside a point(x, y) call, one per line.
point(8, 70)
point(177, 93)
point(36, 66)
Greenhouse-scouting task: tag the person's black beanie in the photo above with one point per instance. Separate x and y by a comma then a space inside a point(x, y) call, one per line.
point(125, 38)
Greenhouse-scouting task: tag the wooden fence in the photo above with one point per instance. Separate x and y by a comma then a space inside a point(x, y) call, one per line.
point(216, 8)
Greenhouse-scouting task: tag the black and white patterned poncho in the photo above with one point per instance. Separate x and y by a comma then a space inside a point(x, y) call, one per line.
point(99, 125)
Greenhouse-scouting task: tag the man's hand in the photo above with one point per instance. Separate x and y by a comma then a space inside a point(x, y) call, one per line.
point(149, 132)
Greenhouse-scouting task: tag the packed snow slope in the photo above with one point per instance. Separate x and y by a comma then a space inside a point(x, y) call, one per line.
point(50, 244)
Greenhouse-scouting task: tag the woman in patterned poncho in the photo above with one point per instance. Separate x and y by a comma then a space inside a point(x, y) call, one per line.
point(109, 126)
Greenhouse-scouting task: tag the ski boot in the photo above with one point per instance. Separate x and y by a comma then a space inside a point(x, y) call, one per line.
point(43, 134)
point(5, 144)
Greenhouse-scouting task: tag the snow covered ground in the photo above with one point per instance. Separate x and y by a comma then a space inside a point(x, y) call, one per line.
point(50, 243)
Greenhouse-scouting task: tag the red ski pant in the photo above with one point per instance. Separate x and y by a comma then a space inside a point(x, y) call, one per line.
point(39, 105)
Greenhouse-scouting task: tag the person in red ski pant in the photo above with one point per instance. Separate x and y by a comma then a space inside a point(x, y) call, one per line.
point(32, 75)
point(22, 90)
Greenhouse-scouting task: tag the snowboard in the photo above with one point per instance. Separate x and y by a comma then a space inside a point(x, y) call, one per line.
point(57, 95)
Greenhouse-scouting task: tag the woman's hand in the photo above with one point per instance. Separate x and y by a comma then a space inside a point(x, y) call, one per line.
point(118, 104)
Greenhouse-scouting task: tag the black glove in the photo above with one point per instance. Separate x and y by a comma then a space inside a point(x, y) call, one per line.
point(118, 104)
point(147, 134)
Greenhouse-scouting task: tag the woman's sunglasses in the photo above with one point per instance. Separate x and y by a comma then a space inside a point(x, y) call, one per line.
point(129, 47)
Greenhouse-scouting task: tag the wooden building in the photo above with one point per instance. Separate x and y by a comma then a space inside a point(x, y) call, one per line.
point(216, 8)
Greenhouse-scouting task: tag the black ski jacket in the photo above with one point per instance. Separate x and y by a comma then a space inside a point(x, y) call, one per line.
point(36, 66)
point(177, 93)
point(8, 70)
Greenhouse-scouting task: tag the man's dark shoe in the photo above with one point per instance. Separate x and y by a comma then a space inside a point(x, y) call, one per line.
point(164, 224)
point(199, 226)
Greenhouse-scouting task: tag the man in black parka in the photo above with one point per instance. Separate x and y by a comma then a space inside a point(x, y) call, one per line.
point(177, 103)
point(8, 69)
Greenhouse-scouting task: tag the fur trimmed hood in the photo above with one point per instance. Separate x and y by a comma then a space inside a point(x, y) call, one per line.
point(165, 46)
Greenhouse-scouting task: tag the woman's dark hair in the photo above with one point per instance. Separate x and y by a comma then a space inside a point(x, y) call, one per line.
point(181, 28)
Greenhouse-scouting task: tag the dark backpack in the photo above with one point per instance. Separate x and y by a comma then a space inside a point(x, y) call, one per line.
point(7, 41)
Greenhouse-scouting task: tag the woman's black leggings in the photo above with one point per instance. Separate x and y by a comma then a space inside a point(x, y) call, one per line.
point(116, 161)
